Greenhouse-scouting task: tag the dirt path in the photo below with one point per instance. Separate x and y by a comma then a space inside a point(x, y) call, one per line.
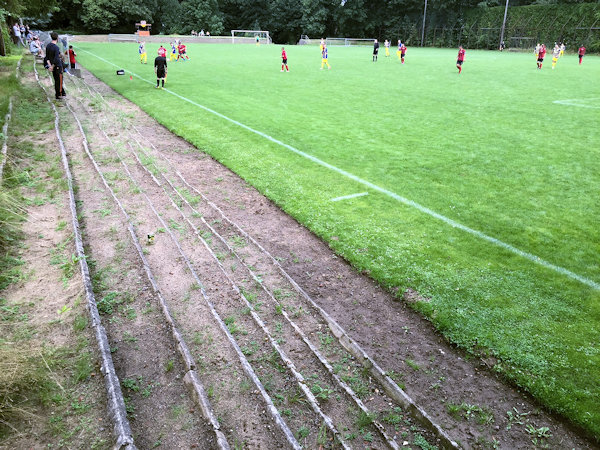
point(226, 316)
point(48, 363)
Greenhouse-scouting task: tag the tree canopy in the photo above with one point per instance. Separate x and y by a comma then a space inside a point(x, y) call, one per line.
point(285, 19)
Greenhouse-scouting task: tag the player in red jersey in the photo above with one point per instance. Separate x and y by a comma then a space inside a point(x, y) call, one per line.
point(402, 49)
point(284, 60)
point(581, 53)
point(541, 55)
point(182, 52)
point(162, 51)
point(460, 59)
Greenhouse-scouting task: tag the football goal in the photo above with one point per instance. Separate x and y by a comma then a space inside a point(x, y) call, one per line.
point(347, 42)
point(249, 37)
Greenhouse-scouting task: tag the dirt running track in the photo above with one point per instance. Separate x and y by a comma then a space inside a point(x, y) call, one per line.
point(220, 309)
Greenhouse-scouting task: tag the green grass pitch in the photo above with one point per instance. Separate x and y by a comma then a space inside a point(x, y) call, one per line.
point(489, 149)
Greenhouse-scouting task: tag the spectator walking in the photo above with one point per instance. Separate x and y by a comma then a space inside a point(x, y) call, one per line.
point(54, 63)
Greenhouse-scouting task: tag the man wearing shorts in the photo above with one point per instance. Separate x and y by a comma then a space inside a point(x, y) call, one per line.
point(581, 53)
point(555, 55)
point(541, 54)
point(284, 60)
point(182, 52)
point(143, 54)
point(460, 59)
point(402, 50)
point(375, 50)
point(160, 68)
point(324, 57)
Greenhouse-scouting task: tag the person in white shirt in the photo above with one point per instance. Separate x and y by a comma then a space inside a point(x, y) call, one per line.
point(17, 34)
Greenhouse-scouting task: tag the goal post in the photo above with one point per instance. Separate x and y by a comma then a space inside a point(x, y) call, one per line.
point(348, 42)
point(249, 37)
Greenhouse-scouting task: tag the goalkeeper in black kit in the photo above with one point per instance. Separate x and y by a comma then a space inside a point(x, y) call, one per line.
point(160, 68)
point(375, 50)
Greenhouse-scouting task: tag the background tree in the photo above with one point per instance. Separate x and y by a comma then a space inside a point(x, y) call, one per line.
point(109, 15)
point(246, 14)
point(167, 19)
point(201, 15)
point(286, 20)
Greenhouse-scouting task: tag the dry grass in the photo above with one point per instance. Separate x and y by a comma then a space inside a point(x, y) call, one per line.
point(22, 375)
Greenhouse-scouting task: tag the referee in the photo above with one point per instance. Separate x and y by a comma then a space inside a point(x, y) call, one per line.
point(54, 63)
point(160, 68)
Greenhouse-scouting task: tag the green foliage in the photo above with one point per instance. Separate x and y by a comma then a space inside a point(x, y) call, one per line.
point(5, 43)
point(421, 442)
point(472, 22)
point(108, 15)
point(201, 15)
point(545, 23)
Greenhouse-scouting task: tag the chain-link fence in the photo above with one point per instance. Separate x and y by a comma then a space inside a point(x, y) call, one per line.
point(525, 26)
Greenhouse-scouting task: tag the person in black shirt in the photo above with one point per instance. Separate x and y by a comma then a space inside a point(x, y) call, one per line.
point(160, 68)
point(54, 63)
point(375, 50)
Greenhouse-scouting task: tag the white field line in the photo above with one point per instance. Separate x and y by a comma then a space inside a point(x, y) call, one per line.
point(577, 102)
point(399, 198)
point(347, 197)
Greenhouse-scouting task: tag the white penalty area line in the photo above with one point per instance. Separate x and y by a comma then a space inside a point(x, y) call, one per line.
point(347, 197)
point(578, 102)
point(383, 191)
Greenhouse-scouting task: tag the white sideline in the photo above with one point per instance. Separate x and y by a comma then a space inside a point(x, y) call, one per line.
point(347, 197)
point(405, 201)
point(574, 102)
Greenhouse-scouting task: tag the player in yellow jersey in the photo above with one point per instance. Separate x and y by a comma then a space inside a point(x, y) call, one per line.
point(555, 55)
point(324, 57)
point(142, 52)
point(173, 52)
point(386, 44)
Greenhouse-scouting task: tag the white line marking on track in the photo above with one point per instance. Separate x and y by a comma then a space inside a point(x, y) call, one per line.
point(399, 198)
point(578, 102)
point(346, 197)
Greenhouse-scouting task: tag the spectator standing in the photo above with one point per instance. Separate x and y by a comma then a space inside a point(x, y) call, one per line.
point(72, 56)
point(53, 62)
point(17, 35)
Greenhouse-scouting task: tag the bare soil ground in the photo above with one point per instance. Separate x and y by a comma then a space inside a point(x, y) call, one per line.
point(59, 399)
point(207, 238)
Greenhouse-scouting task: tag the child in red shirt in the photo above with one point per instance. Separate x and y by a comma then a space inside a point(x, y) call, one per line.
point(460, 59)
point(72, 56)
point(284, 60)
point(581, 53)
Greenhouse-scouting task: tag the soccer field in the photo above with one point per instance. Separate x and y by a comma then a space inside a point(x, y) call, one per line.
point(482, 189)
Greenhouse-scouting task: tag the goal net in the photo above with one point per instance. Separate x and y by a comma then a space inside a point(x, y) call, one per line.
point(249, 37)
point(347, 42)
